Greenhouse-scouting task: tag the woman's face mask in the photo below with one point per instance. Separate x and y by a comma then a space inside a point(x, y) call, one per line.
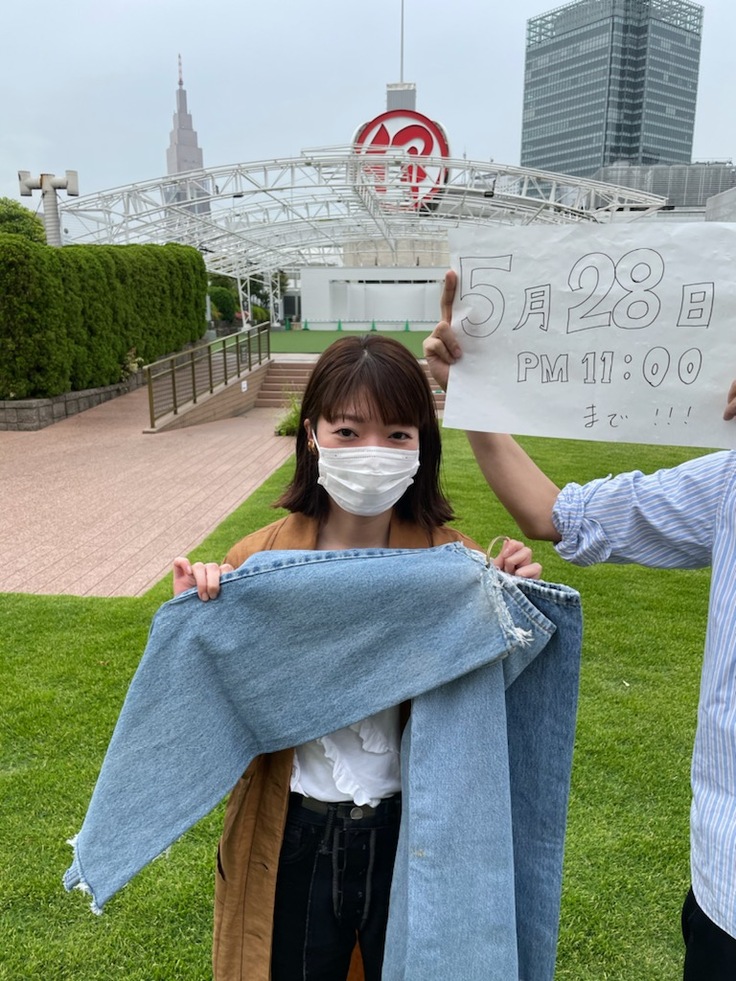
point(366, 480)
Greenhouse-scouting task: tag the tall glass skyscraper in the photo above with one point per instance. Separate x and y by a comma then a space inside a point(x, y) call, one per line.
point(611, 80)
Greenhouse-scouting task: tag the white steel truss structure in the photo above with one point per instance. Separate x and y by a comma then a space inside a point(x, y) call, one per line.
point(332, 203)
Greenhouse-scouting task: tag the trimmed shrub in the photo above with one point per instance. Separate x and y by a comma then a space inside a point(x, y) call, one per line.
point(224, 302)
point(72, 318)
point(259, 315)
point(34, 346)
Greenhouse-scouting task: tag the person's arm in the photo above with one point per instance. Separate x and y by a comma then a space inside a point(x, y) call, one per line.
point(523, 489)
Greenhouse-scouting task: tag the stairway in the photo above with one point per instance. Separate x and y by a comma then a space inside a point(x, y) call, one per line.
point(284, 378)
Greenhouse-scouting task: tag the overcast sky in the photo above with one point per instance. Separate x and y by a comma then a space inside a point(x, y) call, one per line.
point(89, 85)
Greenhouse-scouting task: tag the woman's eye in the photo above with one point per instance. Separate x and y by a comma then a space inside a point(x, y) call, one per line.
point(400, 436)
point(344, 433)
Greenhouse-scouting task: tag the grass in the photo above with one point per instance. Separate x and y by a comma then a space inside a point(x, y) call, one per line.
point(66, 663)
point(315, 341)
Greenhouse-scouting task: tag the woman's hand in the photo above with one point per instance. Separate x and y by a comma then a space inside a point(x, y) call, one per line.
point(205, 576)
point(516, 559)
point(441, 348)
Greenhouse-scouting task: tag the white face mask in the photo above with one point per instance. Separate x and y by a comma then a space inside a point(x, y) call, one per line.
point(366, 480)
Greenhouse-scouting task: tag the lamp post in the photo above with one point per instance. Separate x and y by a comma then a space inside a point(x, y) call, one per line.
point(48, 185)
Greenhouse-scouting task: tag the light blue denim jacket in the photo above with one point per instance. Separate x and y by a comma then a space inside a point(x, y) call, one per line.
point(302, 643)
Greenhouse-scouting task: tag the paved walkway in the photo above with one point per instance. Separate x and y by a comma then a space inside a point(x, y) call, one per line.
point(92, 506)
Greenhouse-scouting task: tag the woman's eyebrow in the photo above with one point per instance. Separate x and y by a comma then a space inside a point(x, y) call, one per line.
point(391, 424)
point(348, 417)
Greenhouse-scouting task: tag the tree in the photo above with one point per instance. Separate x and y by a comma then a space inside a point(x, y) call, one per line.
point(224, 302)
point(17, 220)
point(259, 293)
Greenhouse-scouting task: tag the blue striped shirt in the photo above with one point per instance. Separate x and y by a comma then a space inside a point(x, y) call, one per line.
point(683, 518)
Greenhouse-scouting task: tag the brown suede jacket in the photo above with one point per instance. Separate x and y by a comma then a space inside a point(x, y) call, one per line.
point(248, 853)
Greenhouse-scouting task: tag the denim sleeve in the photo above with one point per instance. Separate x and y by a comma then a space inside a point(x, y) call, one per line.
point(665, 520)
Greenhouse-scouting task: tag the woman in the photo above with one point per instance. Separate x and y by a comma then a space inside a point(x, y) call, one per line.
point(306, 857)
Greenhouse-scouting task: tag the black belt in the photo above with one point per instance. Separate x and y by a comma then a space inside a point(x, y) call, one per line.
point(342, 809)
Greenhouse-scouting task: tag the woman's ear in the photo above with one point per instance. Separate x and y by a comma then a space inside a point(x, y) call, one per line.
point(310, 436)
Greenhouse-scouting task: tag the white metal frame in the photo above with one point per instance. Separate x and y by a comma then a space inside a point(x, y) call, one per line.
point(284, 214)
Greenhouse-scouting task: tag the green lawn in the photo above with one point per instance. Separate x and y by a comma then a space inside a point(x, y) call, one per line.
point(66, 663)
point(315, 341)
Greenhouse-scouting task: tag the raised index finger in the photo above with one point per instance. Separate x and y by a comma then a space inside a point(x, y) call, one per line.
point(448, 295)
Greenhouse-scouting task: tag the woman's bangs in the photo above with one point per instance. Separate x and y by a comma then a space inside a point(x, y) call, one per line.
point(384, 394)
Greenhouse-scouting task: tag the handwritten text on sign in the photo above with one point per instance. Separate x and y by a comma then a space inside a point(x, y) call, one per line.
point(607, 332)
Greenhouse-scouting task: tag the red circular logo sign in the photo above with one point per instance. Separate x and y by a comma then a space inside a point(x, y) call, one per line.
point(416, 136)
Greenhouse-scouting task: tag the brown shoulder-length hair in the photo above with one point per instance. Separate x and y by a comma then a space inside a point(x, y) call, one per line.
point(375, 374)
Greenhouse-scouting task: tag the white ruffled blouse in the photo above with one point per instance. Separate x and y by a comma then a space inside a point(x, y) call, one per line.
point(359, 763)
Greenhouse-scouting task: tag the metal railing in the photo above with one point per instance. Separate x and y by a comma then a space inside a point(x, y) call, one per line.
point(181, 379)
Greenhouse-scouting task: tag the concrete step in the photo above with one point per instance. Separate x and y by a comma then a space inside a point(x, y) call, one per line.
point(285, 378)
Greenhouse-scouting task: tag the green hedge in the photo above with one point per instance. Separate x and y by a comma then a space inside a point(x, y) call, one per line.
point(70, 316)
point(224, 302)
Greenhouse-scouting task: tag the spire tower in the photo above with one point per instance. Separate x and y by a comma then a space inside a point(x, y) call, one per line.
point(183, 153)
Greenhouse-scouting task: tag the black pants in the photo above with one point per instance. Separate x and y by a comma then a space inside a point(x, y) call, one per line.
point(332, 888)
point(710, 953)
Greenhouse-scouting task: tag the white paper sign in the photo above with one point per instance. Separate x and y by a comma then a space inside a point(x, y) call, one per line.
point(622, 332)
